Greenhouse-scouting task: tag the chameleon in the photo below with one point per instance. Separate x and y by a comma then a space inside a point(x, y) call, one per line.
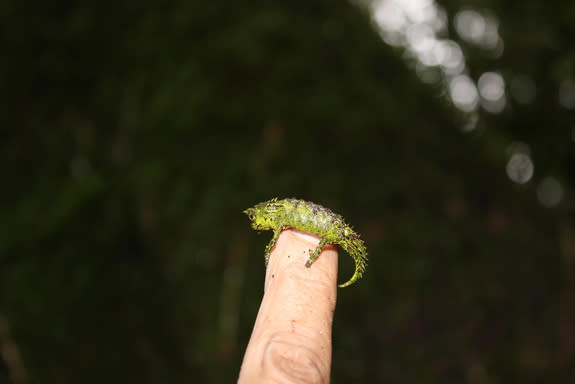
point(277, 215)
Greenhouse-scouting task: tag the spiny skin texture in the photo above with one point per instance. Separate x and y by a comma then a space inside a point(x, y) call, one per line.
point(277, 215)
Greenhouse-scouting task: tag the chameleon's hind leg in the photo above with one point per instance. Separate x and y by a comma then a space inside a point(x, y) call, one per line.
point(272, 244)
point(315, 254)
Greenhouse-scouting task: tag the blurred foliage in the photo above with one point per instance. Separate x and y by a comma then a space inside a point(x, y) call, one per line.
point(134, 133)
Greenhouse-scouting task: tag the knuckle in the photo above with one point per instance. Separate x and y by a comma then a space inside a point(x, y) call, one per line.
point(290, 360)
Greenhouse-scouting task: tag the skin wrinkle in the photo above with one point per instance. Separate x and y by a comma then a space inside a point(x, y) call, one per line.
point(296, 362)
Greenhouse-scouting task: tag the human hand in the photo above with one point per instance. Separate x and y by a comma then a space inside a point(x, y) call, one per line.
point(291, 339)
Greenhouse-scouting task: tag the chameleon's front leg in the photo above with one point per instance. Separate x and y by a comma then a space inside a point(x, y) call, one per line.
point(271, 244)
point(313, 256)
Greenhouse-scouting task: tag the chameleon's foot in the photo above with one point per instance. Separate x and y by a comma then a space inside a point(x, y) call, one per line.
point(310, 261)
point(272, 244)
point(313, 255)
point(267, 258)
point(312, 258)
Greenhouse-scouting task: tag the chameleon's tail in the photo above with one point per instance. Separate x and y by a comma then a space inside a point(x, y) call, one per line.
point(357, 250)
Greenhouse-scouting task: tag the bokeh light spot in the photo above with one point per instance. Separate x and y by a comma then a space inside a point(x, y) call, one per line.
point(481, 30)
point(550, 192)
point(520, 168)
point(390, 16)
point(420, 37)
point(491, 86)
point(567, 94)
point(492, 90)
point(463, 93)
point(450, 56)
point(470, 25)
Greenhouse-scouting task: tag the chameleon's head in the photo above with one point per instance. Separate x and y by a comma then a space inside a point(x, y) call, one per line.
point(263, 215)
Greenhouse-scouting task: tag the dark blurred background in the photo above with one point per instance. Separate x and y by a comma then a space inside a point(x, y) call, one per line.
point(134, 133)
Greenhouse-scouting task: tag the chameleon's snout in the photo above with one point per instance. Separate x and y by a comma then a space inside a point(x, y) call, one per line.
point(250, 212)
point(252, 216)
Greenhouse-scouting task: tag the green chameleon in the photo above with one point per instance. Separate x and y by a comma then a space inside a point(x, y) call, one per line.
point(305, 216)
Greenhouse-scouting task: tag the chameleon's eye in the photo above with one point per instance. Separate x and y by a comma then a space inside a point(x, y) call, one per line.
point(252, 216)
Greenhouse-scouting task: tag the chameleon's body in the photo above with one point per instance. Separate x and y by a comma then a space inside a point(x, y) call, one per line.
point(277, 215)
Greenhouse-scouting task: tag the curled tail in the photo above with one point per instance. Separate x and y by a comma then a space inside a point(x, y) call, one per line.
point(357, 250)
